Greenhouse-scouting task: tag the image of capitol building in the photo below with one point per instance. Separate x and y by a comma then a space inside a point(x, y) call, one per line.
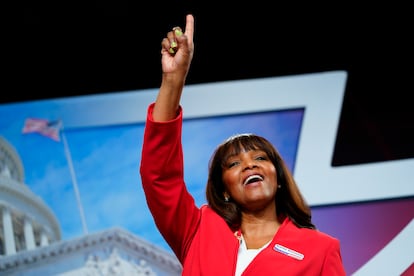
point(31, 243)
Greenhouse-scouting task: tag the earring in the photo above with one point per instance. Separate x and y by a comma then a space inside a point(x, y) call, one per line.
point(279, 186)
point(226, 199)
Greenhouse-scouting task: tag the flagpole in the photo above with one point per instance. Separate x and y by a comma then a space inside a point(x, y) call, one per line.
point(74, 182)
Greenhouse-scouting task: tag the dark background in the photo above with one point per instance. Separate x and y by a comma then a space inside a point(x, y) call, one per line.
point(70, 48)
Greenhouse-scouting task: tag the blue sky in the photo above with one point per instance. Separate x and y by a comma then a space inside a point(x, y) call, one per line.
point(105, 152)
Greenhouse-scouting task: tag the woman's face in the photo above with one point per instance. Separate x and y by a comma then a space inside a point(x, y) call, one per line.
point(250, 179)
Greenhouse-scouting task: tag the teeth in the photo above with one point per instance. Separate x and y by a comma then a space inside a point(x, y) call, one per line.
point(253, 177)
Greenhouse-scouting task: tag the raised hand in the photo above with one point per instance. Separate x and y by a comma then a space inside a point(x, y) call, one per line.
point(178, 48)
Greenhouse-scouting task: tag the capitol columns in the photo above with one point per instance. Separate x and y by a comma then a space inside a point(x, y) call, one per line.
point(9, 243)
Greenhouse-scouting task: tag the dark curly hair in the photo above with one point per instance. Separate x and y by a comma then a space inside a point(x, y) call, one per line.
point(289, 200)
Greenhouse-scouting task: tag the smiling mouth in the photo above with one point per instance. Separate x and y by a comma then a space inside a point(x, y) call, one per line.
point(252, 179)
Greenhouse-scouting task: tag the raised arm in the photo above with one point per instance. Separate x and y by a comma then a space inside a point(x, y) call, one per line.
point(177, 52)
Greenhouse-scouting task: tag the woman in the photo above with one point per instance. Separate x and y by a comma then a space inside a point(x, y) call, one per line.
point(256, 221)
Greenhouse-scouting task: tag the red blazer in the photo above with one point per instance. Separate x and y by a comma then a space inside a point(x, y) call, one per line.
point(200, 238)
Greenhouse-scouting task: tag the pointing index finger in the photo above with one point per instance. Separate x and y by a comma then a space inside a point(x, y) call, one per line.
point(189, 27)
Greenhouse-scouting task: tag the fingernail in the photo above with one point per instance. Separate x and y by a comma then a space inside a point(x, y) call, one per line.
point(171, 50)
point(173, 44)
point(178, 32)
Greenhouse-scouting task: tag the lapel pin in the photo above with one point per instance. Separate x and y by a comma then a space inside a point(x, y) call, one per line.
point(289, 252)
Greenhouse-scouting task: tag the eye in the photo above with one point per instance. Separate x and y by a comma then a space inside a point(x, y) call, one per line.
point(232, 164)
point(261, 156)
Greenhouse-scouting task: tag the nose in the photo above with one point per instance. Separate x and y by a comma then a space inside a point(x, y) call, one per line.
point(249, 164)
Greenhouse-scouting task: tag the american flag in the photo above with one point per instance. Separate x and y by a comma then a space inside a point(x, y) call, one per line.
point(44, 127)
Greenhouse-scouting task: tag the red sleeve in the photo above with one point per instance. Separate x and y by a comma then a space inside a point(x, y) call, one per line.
point(333, 263)
point(172, 207)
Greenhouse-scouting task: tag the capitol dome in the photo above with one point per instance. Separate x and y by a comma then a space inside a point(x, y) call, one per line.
point(31, 243)
point(26, 221)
